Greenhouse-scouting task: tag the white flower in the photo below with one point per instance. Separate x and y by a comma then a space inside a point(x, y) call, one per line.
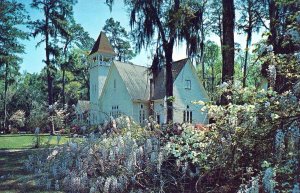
point(53, 154)
point(201, 102)
point(224, 85)
point(269, 48)
point(267, 104)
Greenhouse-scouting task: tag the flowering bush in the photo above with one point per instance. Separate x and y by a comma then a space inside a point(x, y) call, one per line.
point(18, 118)
point(252, 146)
point(111, 163)
point(256, 126)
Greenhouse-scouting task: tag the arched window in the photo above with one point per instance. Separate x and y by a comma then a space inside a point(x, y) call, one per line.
point(142, 114)
point(187, 115)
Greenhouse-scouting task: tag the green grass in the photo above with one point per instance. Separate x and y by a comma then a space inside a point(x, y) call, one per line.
point(14, 150)
point(25, 141)
point(13, 177)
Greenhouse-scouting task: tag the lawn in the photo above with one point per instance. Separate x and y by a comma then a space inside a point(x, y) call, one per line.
point(13, 177)
point(26, 141)
point(14, 150)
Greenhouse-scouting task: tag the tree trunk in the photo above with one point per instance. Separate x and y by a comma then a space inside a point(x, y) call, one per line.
point(169, 80)
point(212, 78)
point(273, 14)
point(220, 30)
point(202, 53)
point(280, 83)
point(48, 64)
point(63, 67)
point(228, 41)
point(248, 41)
point(5, 97)
point(202, 45)
point(228, 45)
point(63, 87)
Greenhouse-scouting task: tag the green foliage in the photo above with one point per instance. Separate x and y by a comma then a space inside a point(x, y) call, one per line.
point(57, 15)
point(27, 141)
point(188, 146)
point(119, 39)
point(12, 17)
point(213, 63)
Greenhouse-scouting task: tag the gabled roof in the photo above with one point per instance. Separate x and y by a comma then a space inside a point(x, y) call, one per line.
point(160, 88)
point(136, 80)
point(177, 67)
point(102, 45)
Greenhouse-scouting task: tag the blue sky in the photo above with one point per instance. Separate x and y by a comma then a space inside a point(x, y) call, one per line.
point(91, 14)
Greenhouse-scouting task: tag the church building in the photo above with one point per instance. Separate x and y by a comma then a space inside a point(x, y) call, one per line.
point(118, 88)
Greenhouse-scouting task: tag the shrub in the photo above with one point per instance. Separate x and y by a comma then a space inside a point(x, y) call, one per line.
point(112, 163)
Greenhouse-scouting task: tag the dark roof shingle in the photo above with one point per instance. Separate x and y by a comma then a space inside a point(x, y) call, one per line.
point(136, 79)
point(102, 45)
point(159, 82)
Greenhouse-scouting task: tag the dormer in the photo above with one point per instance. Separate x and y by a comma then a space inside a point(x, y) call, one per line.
point(102, 52)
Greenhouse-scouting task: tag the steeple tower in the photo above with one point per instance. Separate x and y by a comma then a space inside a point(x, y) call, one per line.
point(102, 45)
point(100, 60)
point(102, 51)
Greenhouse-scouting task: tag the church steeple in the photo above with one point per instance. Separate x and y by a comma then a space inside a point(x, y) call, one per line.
point(100, 59)
point(103, 46)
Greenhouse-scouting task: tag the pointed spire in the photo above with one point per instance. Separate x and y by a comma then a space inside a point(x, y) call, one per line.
point(103, 46)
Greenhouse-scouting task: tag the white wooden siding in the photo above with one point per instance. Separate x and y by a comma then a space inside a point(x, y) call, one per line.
point(112, 97)
point(185, 97)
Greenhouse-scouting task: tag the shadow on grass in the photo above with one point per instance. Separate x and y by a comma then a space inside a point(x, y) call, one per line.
point(16, 135)
point(30, 134)
point(13, 176)
point(17, 148)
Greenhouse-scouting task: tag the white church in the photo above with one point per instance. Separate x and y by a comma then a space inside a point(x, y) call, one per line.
point(118, 88)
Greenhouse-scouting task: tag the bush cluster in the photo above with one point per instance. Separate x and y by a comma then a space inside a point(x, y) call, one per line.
point(252, 146)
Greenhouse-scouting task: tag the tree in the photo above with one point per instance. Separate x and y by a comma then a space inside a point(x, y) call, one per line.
point(228, 40)
point(212, 60)
point(203, 31)
point(27, 97)
point(284, 33)
point(215, 18)
point(75, 36)
point(119, 39)
point(249, 22)
point(80, 68)
point(228, 44)
point(12, 15)
point(56, 14)
point(167, 22)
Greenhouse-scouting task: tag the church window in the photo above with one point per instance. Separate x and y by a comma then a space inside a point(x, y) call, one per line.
point(115, 84)
point(142, 114)
point(158, 119)
point(188, 84)
point(187, 115)
point(115, 113)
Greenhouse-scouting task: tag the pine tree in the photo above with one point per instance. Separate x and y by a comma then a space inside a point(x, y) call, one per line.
point(54, 23)
point(12, 15)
